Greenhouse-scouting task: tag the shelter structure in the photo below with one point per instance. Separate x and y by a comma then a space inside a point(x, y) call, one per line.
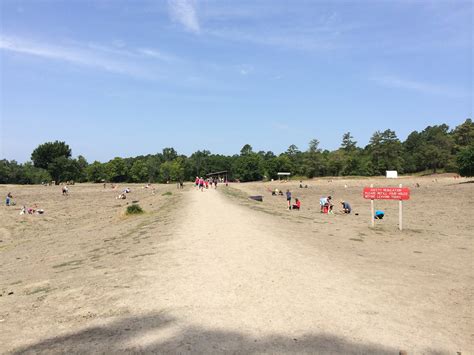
point(285, 175)
point(219, 174)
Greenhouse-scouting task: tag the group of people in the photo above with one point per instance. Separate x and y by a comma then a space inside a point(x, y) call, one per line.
point(201, 183)
point(24, 210)
point(325, 202)
point(31, 210)
point(124, 193)
point(326, 205)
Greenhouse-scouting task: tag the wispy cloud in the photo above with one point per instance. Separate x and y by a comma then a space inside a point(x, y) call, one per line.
point(185, 12)
point(425, 88)
point(322, 33)
point(155, 54)
point(289, 40)
point(245, 70)
point(131, 62)
point(70, 54)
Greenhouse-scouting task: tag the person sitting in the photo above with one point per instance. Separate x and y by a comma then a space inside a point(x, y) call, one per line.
point(8, 200)
point(122, 196)
point(379, 214)
point(297, 204)
point(346, 207)
point(32, 210)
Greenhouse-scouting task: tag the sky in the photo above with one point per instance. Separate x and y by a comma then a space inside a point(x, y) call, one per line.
point(127, 78)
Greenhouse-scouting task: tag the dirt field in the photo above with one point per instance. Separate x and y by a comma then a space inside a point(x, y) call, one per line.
point(213, 272)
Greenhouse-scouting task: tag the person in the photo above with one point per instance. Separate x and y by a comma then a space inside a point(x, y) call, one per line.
point(379, 214)
point(201, 184)
point(196, 182)
point(288, 198)
point(8, 200)
point(325, 204)
point(65, 190)
point(297, 204)
point(32, 210)
point(122, 196)
point(346, 207)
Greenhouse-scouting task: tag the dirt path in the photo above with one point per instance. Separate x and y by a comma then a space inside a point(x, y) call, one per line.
point(230, 280)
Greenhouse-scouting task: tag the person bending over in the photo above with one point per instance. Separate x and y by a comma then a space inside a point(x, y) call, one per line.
point(379, 214)
point(346, 207)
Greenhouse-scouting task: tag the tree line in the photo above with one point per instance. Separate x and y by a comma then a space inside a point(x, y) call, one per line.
point(436, 148)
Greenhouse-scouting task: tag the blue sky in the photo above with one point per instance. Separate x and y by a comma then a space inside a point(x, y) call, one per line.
point(124, 78)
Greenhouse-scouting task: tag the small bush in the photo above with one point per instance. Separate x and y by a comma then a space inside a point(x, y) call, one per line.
point(169, 193)
point(134, 209)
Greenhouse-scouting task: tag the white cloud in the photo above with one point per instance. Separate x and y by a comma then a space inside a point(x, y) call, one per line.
point(121, 60)
point(245, 69)
point(426, 88)
point(71, 54)
point(184, 12)
point(153, 53)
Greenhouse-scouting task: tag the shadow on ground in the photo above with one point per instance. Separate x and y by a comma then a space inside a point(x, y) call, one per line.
point(160, 333)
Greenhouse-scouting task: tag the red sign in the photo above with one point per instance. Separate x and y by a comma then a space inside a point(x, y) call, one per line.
point(387, 193)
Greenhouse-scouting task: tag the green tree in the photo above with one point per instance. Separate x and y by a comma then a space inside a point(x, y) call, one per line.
point(465, 160)
point(172, 170)
point(248, 167)
point(312, 159)
point(82, 169)
point(96, 172)
point(436, 148)
point(55, 158)
point(385, 150)
point(139, 171)
point(246, 150)
point(46, 153)
point(348, 143)
point(116, 170)
point(169, 154)
point(463, 134)
point(199, 163)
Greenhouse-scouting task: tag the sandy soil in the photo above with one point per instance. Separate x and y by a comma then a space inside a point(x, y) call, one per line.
point(208, 272)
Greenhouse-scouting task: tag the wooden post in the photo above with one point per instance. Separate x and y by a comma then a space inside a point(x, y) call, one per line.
point(372, 211)
point(400, 213)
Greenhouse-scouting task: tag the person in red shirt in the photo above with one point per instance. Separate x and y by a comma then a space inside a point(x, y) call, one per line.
point(297, 204)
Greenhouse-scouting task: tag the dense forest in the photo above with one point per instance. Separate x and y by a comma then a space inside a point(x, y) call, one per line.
point(436, 148)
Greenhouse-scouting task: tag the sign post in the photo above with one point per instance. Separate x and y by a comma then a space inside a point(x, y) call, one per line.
point(372, 210)
point(400, 215)
point(387, 193)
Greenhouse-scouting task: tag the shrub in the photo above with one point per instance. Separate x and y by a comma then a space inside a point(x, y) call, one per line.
point(134, 209)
